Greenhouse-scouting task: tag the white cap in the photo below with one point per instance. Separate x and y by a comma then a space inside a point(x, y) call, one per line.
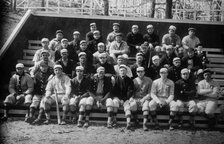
point(19, 65)
point(100, 44)
point(99, 69)
point(44, 40)
point(164, 70)
point(135, 26)
point(76, 32)
point(172, 27)
point(185, 70)
point(82, 53)
point(57, 66)
point(103, 55)
point(149, 26)
point(155, 57)
point(123, 66)
point(140, 69)
point(64, 39)
point(79, 68)
point(64, 51)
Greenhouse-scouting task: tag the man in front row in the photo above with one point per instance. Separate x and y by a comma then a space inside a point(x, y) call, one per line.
point(58, 87)
point(140, 99)
point(185, 91)
point(162, 94)
point(20, 89)
point(208, 90)
point(122, 91)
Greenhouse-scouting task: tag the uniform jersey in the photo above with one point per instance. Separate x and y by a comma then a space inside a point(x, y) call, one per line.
point(142, 87)
point(80, 88)
point(171, 40)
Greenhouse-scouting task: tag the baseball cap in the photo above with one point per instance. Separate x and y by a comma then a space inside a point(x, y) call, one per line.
point(59, 31)
point(149, 26)
point(103, 55)
point(172, 27)
point(176, 59)
point(82, 41)
point(155, 57)
point(96, 32)
point(117, 24)
point(191, 28)
point(163, 70)
point(44, 40)
point(57, 66)
point(135, 26)
point(185, 70)
point(207, 70)
point(19, 65)
point(64, 39)
point(43, 64)
point(100, 44)
point(44, 51)
point(118, 34)
point(100, 69)
point(120, 57)
point(139, 54)
point(76, 33)
point(92, 24)
point(123, 66)
point(79, 68)
point(64, 51)
point(140, 69)
point(81, 54)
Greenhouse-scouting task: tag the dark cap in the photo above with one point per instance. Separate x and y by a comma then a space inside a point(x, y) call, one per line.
point(59, 31)
point(207, 70)
point(192, 29)
point(119, 34)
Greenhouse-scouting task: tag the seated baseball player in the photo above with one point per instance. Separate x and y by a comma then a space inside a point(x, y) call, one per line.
point(122, 60)
point(139, 100)
point(122, 91)
point(162, 94)
point(20, 89)
point(100, 87)
point(208, 90)
point(40, 83)
point(184, 94)
point(79, 90)
point(58, 87)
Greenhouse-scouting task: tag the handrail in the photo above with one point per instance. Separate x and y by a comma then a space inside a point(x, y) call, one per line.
point(14, 33)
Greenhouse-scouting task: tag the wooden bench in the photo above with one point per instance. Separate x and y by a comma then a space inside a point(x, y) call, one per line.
point(100, 116)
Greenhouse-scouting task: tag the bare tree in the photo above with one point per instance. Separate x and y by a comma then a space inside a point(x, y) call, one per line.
point(106, 7)
point(168, 13)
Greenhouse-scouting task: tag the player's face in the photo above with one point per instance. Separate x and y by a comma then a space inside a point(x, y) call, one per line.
point(116, 28)
point(64, 54)
point(83, 46)
point(101, 48)
point(59, 36)
point(177, 63)
point(134, 30)
point(144, 49)
point(191, 33)
point(139, 59)
point(123, 72)
point(140, 74)
point(58, 71)
point(171, 31)
point(163, 74)
point(101, 74)
point(169, 51)
point(96, 36)
point(64, 44)
point(118, 39)
point(76, 36)
point(156, 62)
point(79, 73)
point(19, 70)
point(43, 69)
point(199, 48)
point(82, 59)
point(185, 75)
point(157, 49)
point(120, 61)
point(45, 44)
point(93, 28)
point(150, 30)
point(190, 54)
point(45, 56)
point(207, 76)
point(102, 60)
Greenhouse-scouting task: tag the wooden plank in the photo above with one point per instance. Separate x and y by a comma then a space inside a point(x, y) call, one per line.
point(218, 76)
point(215, 55)
point(27, 57)
point(34, 47)
point(215, 65)
point(35, 41)
point(26, 62)
point(29, 51)
point(212, 50)
point(216, 60)
point(14, 33)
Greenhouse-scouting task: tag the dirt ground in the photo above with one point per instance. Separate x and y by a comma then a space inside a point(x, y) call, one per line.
point(20, 132)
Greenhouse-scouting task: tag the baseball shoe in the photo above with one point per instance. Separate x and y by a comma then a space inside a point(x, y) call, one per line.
point(171, 128)
point(79, 124)
point(4, 119)
point(36, 121)
point(128, 127)
point(63, 123)
point(46, 122)
point(114, 123)
point(109, 125)
point(86, 125)
point(180, 125)
point(145, 128)
point(74, 120)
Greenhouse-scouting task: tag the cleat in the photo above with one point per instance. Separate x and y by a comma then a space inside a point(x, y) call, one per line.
point(79, 124)
point(63, 123)
point(171, 128)
point(145, 128)
point(74, 120)
point(4, 119)
point(30, 120)
point(46, 122)
point(128, 127)
point(114, 123)
point(36, 121)
point(86, 125)
point(109, 125)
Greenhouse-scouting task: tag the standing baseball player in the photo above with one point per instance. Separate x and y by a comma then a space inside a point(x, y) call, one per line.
point(162, 93)
point(20, 89)
point(59, 86)
point(140, 99)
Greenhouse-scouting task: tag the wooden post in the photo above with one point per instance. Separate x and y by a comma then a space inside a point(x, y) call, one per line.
point(152, 12)
point(43, 5)
point(106, 7)
point(14, 5)
point(168, 11)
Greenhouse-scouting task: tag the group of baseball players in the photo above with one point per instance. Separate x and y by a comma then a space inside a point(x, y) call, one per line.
point(85, 74)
